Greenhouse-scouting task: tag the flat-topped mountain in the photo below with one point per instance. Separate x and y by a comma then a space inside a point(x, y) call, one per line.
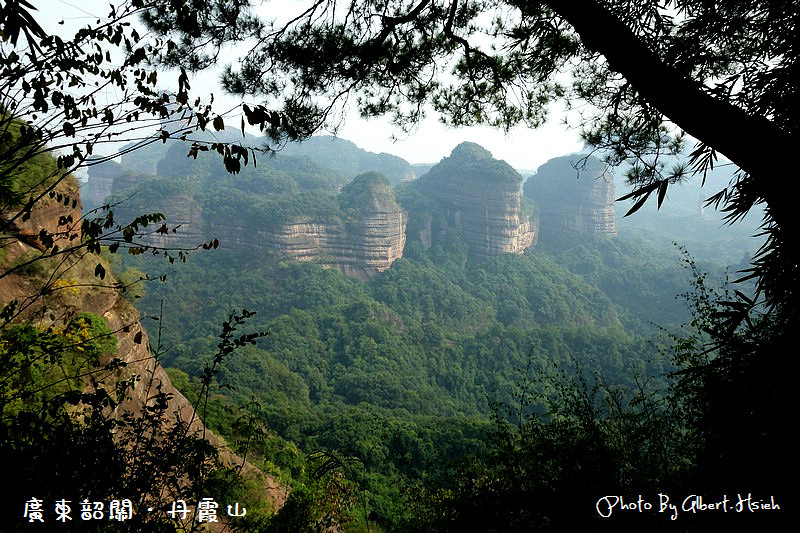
point(480, 196)
point(366, 237)
point(299, 208)
point(575, 196)
point(291, 205)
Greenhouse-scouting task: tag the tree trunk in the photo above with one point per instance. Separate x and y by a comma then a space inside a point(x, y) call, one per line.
point(752, 142)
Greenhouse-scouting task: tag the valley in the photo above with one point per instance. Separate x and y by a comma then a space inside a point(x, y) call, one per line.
point(404, 320)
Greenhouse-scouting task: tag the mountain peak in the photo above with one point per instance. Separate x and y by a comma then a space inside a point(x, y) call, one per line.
point(471, 161)
point(470, 150)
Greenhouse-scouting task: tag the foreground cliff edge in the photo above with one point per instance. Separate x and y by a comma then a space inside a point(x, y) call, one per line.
point(67, 296)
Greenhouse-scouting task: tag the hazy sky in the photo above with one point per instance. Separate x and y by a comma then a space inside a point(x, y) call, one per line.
point(523, 148)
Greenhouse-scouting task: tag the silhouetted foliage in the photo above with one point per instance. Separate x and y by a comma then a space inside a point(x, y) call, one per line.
point(713, 69)
point(110, 440)
point(71, 426)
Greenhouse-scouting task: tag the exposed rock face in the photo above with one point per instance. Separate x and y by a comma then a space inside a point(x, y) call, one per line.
point(481, 198)
point(99, 186)
point(106, 179)
point(88, 294)
point(290, 206)
point(184, 215)
point(176, 202)
point(187, 216)
point(286, 204)
point(361, 232)
point(361, 247)
point(573, 201)
point(59, 215)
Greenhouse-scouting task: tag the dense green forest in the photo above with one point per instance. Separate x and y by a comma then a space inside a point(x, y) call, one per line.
point(445, 390)
point(379, 363)
point(419, 354)
point(412, 373)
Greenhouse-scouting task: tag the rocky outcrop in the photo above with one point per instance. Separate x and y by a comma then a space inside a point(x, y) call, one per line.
point(104, 180)
point(575, 196)
point(98, 186)
point(57, 213)
point(290, 205)
point(184, 220)
point(132, 194)
point(367, 241)
point(54, 290)
point(359, 231)
point(481, 198)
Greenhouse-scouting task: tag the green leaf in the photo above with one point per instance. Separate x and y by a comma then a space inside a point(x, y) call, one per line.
point(662, 192)
point(638, 204)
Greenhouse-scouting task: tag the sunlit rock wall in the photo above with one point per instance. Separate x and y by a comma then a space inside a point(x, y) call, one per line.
point(481, 197)
point(574, 197)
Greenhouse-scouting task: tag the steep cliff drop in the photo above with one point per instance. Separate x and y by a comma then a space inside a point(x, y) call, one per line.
point(364, 240)
point(575, 197)
point(55, 289)
point(481, 198)
point(288, 205)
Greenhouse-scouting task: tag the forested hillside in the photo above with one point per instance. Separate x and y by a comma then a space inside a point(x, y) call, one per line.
point(405, 373)
point(386, 346)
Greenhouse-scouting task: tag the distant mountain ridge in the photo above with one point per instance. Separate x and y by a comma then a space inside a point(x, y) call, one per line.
point(347, 159)
point(300, 204)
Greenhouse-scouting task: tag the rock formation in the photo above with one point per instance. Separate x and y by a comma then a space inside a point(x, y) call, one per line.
point(481, 198)
point(183, 214)
point(290, 205)
point(367, 242)
point(106, 179)
point(573, 201)
point(360, 230)
point(56, 291)
point(58, 213)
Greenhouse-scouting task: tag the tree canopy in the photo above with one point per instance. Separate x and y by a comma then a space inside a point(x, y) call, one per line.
point(66, 406)
point(640, 75)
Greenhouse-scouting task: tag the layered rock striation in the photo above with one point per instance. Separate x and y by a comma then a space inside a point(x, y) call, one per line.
point(298, 209)
point(360, 231)
point(368, 237)
point(290, 205)
point(480, 196)
point(575, 197)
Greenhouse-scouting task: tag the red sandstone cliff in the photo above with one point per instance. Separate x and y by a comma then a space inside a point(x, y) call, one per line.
point(481, 197)
point(54, 289)
point(573, 201)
